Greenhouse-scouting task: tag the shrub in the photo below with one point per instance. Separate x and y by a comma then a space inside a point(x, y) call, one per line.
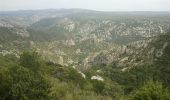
point(151, 91)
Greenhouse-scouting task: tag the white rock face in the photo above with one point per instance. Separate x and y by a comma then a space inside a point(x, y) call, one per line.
point(70, 42)
point(23, 33)
point(160, 52)
point(10, 52)
point(70, 27)
point(70, 61)
point(5, 24)
point(82, 74)
point(98, 71)
point(61, 61)
point(78, 51)
point(5, 52)
point(165, 45)
point(124, 69)
point(124, 59)
point(99, 78)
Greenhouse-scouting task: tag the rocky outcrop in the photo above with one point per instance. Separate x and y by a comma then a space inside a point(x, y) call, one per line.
point(97, 77)
point(85, 41)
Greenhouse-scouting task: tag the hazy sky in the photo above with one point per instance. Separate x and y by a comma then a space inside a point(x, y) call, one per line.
point(101, 5)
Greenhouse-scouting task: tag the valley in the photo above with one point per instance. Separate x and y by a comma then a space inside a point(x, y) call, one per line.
point(121, 50)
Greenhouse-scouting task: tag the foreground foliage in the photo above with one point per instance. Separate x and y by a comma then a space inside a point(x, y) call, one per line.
point(151, 91)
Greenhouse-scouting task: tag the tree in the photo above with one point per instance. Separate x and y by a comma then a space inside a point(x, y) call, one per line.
point(151, 91)
point(19, 83)
point(31, 60)
point(22, 81)
point(98, 86)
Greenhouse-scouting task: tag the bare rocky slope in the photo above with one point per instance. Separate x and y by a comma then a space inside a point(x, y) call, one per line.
point(84, 38)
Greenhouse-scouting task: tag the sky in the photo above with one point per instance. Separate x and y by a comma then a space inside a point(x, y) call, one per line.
point(99, 5)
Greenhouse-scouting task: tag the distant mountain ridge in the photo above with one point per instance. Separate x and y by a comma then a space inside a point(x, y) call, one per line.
point(69, 11)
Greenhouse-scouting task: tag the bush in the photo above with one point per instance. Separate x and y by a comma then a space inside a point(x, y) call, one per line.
point(19, 83)
point(31, 60)
point(22, 81)
point(151, 91)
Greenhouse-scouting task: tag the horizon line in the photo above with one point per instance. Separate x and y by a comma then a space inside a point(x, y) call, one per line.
point(15, 10)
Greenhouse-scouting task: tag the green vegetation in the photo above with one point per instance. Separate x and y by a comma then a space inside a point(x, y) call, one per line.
point(31, 78)
point(19, 82)
point(83, 40)
point(151, 91)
